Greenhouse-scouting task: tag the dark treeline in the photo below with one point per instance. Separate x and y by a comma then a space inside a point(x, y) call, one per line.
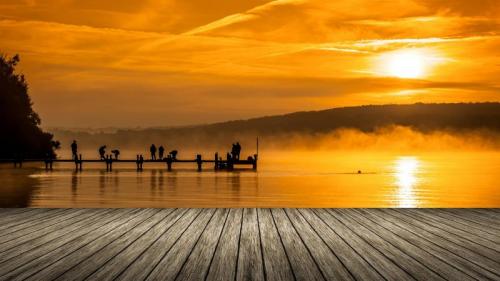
point(20, 134)
point(420, 117)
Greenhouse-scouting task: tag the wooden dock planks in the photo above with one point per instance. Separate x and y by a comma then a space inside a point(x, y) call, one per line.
point(249, 244)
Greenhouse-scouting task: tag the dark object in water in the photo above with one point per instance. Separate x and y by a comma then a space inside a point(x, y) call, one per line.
point(359, 171)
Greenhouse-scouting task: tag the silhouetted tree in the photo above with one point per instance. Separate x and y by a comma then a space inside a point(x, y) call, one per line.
point(20, 134)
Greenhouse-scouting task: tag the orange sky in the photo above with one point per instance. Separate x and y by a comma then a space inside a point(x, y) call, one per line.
point(157, 63)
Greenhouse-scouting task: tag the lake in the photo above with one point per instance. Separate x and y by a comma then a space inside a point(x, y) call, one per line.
point(285, 179)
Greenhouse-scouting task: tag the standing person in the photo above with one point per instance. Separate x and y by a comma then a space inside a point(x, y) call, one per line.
point(152, 149)
point(233, 151)
point(74, 150)
point(238, 150)
point(102, 152)
point(161, 150)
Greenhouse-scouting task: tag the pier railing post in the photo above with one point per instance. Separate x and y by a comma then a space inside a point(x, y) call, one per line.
point(81, 162)
point(216, 161)
point(230, 164)
point(169, 163)
point(199, 162)
point(75, 159)
point(254, 164)
point(110, 159)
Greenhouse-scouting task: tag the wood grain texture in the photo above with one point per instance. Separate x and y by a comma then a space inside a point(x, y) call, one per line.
point(249, 244)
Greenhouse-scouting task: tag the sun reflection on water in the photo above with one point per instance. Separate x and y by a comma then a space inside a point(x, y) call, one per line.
point(406, 169)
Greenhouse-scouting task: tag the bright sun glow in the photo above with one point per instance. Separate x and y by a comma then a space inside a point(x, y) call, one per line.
point(404, 64)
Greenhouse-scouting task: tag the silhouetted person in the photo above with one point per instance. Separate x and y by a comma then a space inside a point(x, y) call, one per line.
point(233, 151)
point(237, 150)
point(74, 150)
point(161, 150)
point(116, 152)
point(102, 152)
point(173, 154)
point(152, 149)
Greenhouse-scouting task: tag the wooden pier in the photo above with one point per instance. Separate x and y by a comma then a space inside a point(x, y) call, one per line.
point(217, 162)
point(249, 244)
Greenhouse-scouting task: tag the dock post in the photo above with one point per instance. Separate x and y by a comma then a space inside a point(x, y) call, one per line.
point(110, 159)
point(169, 163)
point(199, 162)
point(137, 161)
point(230, 164)
point(106, 161)
point(254, 164)
point(216, 161)
point(81, 162)
point(75, 158)
point(50, 163)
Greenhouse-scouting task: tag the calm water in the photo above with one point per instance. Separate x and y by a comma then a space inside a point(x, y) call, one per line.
point(298, 179)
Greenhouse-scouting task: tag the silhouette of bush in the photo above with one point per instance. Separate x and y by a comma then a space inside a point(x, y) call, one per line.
point(20, 134)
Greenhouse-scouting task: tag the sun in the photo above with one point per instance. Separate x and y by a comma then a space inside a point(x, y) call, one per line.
point(404, 64)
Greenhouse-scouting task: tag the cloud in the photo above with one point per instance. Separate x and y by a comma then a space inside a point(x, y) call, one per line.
point(236, 59)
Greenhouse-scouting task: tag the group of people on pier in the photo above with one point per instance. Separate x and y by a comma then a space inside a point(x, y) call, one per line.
point(235, 152)
point(161, 151)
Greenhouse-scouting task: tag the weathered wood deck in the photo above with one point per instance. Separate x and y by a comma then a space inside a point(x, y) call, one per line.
point(249, 244)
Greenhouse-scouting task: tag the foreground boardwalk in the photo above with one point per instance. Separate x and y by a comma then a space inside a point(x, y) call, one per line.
point(249, 244)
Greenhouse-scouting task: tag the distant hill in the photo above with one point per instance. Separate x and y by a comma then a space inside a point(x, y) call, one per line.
point(368, 118)
point(421, 117)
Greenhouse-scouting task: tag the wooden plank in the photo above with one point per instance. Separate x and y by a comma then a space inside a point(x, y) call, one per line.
point(55, 226)
point(439, 266)
point(22, 245)
point(452, 221)
point(487, 224)
point(67, 262)
point(88, 266)
point(223, 265)
point(173, 260)
point(443, 238)
point(109, 270)
point(448, 252)
point(480, 245)
point(250, 264)
point(450, 228)
point(198, 263)
point(147, 261)
point(330, 265)
point(16, 215)
point(28, 219)
point(487, 218)
point(276, 263)
point(31, 228)
point(34, 261)
point(355, 263)
point(396, 255)
point(370, 254)
point(10, 212)
point(303, 264)
point(487, 213)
